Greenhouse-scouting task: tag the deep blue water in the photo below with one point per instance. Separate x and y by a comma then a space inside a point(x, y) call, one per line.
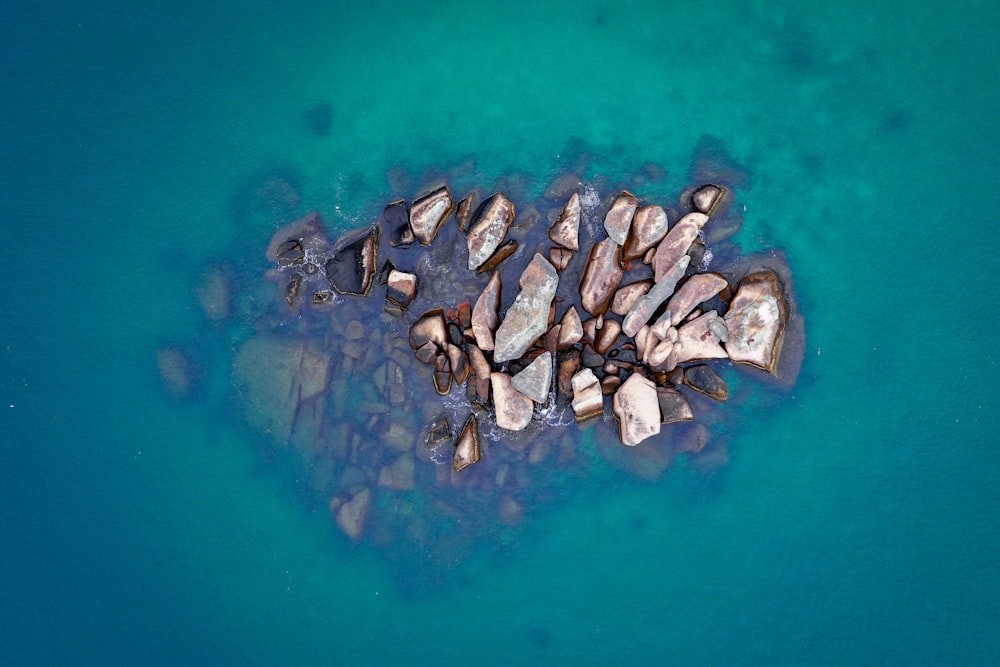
point(854, 523)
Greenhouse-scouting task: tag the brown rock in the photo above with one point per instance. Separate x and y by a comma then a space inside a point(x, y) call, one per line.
point(601, 277)
point(503, 252)
point(560, 258)
point(401, 288)
point(697, 289)
point(513, 409)
point(570, 328)
point(528, 317)
point(627, 295)
point(535, 381)
point(565, 231)
point(485, 314)
point(637, 409)
point(706, 198)
point(428, 212)
point(569, 364)
point(429, 328)
point(292, 289)
point(756, 321)
point(677, 242)
point(618, 220)
point(490, 225)
point(588, 400)
point(463, 211)
point(647, 304)
point(649, 226)
point(696, 340)
point(467, 445)
point(607, 336)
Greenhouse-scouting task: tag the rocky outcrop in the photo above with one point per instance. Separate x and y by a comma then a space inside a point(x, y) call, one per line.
point(352, 515)
point(756, 321)
point(528, 317)
point(352, 267)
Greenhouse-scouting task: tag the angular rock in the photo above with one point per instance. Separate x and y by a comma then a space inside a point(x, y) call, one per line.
point(569, 364)
point(513, 409)
point(696, 341)
point(601, 277)
point(428, 212)
point(467, 445)
point(490, 225)
point(637, 409)
point(463, 211)
point(401, 288)
point(427, 353)
point(697, 289)
point(607, 336)
point(442, 375)
point(560, 258)
point(429, 328)
point(481, 369)
point(351, 269)
point(565, 231)
point(570, 328)
point(647, 304)
point(396, 219)
point(756, 321)
point(618, 220)
point(627, 295)
point(649, 226)
point(353, 514)
point(588, 401)
point(290, 252)
point(706, 198)
point(503, 252)
point(528, 317)
point(459, 364)
point(677, 242)
point(485, 314)
point(702, 378)
point(610, 384)
point(535, 381)
point(673, 406)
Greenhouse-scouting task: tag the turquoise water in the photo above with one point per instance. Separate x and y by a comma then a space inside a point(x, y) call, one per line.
point(854, 523)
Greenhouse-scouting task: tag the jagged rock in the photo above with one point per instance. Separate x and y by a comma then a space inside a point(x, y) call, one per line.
point(396, 220)
point(569, 364)
point(463, 211)
point(467, 445)
point(429, 328)
point(513, 409)
point(528, 317)
point(756, 321)
point(503, 252)
point(607, 336)
point(428, 212)
point(627, 295)
point(427, 353)
point(570, 329)
point(535, 381)
point(490, 225)
point(588, 401)
point(673, 406)
point(637, 409)
point(442, 375)
point(485, 314)
point(695, 341)
point(649, 226)
point(459, 364)
point(560, 258)
point(290, 252)
point(351, 268)
point(618, 220)
point(399, 475)
point(401, 289)
point(702, 378)
point(601, 277)
point(481, 369)
point(706, 198)
point(697, 289)
point(677, 242)
point(565, 231)
point(353, 514)
point(647, 304)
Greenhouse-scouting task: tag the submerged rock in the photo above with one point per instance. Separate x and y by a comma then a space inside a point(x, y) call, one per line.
point(352, 515)
point(488, 229)
point(428, 212)
point(637, 409)
point(702, 378)
point(756, 321)
point(673, 406)
point(528, 317)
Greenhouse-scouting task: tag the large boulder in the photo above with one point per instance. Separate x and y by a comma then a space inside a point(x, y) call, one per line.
point(756, 321)
point(513, 409)
point(697, 289)
point(601, 277)
point(528, 317)
point(565, 231)
point(428, 212)
point(637, 409)
point(618, 220)
point(535, 381)
point(351, 268)
point(649, 226)
point(489, 227)
point(677, 242)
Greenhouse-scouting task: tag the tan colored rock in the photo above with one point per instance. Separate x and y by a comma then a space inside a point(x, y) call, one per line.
point(570, 329)
point(677, 242)
point(528, 317)
point(618, 220)
point(588, 400)
point(637, 409)
point(513, 409)
point(565, 231)
point(467, 445)
point(535, 380)
point(601, 277)
point(649, 226)
point(647, 304)
point(505, 250)
point(401, 288)
point(607, 336)
point(486, 315)
point(488, 229)
point(627, 295)
point(706, 198)
point(353, 515)
point(429, 328)
point(756, 321)
point(560, 258)
point(696, 341)
point(428, 212)
point(697, 289)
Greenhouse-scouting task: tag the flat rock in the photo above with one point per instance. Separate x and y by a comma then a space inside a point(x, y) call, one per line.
point(353, 514)
point(570, 329)
point(601, 277)
point(588, 401)
point(649, 226)
point(535, 381)
point(428, 212)
point(627, 295)
point(565, 231)
point(485, 314)
point(702, 378)
point(697, 289)
point(351, 269)
point(489, 226)
point(513, 409)
point(756, 321)
point(467, 445)
point(677, 242)
point(528, 317)
point(673, 406)
point(647, 304)
point(618, 220)
point(637, 409)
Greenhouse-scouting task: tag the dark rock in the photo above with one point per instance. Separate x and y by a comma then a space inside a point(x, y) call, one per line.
point(401, 289)
point(569, 365)
point(351, 269)
point(396, 220)
point(399, 475)
point(702, 378)
point(427, 353)
point(591, 359)
point(467, 445)
point(560, 258)
point(321, 297)
point(673, 406)
point(292, 289)
point(290, 252)
point(610, 384)
point(463, 211)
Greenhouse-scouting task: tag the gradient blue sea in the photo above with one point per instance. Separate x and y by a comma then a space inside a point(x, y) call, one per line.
point(855, 522)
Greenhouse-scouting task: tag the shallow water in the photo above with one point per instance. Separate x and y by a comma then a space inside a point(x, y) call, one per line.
point(853, 522)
